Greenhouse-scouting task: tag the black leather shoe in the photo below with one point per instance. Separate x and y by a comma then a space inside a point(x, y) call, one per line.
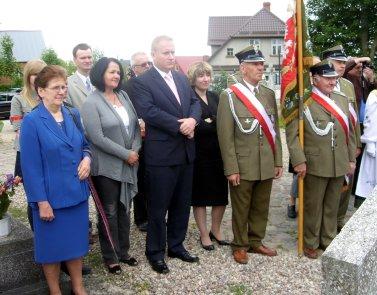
point(220, 242)
point(130, 261)
point(184, 256)
point(159, 266)
point(143, 226)
point(207, 247)
point(86, 270)
point(116, 269)
point(291, 211)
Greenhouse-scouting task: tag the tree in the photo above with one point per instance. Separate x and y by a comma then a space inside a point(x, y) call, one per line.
point(220, 82)
point(351, 23)
point(97, 54)
point(8, 64)
point(70, 67)
point(50, 57)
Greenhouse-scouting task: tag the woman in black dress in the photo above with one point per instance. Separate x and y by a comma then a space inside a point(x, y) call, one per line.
point(210, 187)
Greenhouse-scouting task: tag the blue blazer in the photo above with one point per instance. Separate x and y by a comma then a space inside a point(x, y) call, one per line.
point(156, 104)
point(50, 158)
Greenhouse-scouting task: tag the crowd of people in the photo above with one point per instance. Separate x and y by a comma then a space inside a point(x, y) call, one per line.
point(164, 142)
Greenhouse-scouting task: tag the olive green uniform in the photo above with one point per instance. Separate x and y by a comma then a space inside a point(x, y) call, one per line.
point(252, 157)
point(327, 161)
point(346, 87)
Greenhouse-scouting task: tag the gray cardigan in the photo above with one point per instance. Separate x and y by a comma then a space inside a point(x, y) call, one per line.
point(109, 141)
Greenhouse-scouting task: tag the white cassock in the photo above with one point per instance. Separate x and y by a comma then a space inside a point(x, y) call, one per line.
point(368, 170)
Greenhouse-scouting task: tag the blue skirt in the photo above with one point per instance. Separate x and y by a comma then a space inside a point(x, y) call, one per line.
point(64, 238)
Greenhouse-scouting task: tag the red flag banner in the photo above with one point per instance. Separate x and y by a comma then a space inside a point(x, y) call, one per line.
point(289, 100)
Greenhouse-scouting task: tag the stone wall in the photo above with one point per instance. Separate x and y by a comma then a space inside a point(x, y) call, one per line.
point(349, 264)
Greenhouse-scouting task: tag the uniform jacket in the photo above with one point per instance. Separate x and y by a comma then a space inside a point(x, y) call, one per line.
point(77, 91)
point(156, 104)
point(346, 87)
point(320, 158)
point(50, 158)
point(250, 155)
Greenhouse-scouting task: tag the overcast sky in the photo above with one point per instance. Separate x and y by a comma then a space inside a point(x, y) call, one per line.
point(119, 28)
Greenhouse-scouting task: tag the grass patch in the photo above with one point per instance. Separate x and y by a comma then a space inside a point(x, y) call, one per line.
point(94, 259)
point(18, 214)
point(239, 289)
point(281, 123)
point(142, 287)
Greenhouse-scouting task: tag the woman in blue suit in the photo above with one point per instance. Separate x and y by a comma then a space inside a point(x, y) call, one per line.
point(55, 159)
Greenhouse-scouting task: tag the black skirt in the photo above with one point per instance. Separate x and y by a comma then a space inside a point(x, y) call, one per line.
point(210, 186)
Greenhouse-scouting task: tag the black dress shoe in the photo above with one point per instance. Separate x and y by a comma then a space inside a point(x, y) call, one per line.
point(159, 266)
point(130, 261)
point(184, 256)
point(207, 247)
point(143, 226)
point(220, 242)
point(86, 270)
point(291, 211)
point(115, 269)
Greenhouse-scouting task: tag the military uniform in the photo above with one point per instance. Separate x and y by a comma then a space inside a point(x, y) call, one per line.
point(345, 87)
point(250, 155)
point(327, 158)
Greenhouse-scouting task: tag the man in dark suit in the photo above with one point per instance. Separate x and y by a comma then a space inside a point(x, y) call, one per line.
point(139, 64)
point(170, 109)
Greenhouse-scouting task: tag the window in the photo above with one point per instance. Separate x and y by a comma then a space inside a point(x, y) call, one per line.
point(277, 46)
point(255, 43)
point(277, 78)
point(229, 52)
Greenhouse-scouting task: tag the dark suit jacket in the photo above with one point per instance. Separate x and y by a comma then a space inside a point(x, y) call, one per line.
point(50, 157)
point(157, 105)
point(127, 87)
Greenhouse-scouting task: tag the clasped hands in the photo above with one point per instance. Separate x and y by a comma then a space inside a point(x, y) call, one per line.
point(187, 127)
point(133, 158)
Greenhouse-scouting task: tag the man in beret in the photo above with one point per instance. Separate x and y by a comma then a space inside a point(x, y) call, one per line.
point(337, 56)
point(328, 155)
point(249, 138)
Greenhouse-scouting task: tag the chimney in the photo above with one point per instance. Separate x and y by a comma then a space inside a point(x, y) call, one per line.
point(267, 6)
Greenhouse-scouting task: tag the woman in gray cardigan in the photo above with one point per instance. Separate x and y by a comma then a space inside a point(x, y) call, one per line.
point(111, 126)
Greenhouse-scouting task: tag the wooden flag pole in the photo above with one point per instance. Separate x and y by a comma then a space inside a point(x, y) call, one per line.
point(299, 16)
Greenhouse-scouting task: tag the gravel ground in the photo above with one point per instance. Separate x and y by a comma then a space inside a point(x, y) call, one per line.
point(217, 273)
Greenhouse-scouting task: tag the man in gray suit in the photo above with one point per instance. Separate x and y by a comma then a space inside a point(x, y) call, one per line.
point(79, 85)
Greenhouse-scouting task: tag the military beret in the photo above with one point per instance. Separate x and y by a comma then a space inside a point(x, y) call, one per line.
point(249, 54)
point(336, 52)
point(324, 68)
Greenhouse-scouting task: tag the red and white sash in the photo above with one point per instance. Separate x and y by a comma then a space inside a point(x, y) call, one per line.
point(331, 107)
point(353, 115)
point(257, 110)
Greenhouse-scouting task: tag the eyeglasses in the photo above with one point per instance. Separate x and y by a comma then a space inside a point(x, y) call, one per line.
point(58, 88)
point(144, 64)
